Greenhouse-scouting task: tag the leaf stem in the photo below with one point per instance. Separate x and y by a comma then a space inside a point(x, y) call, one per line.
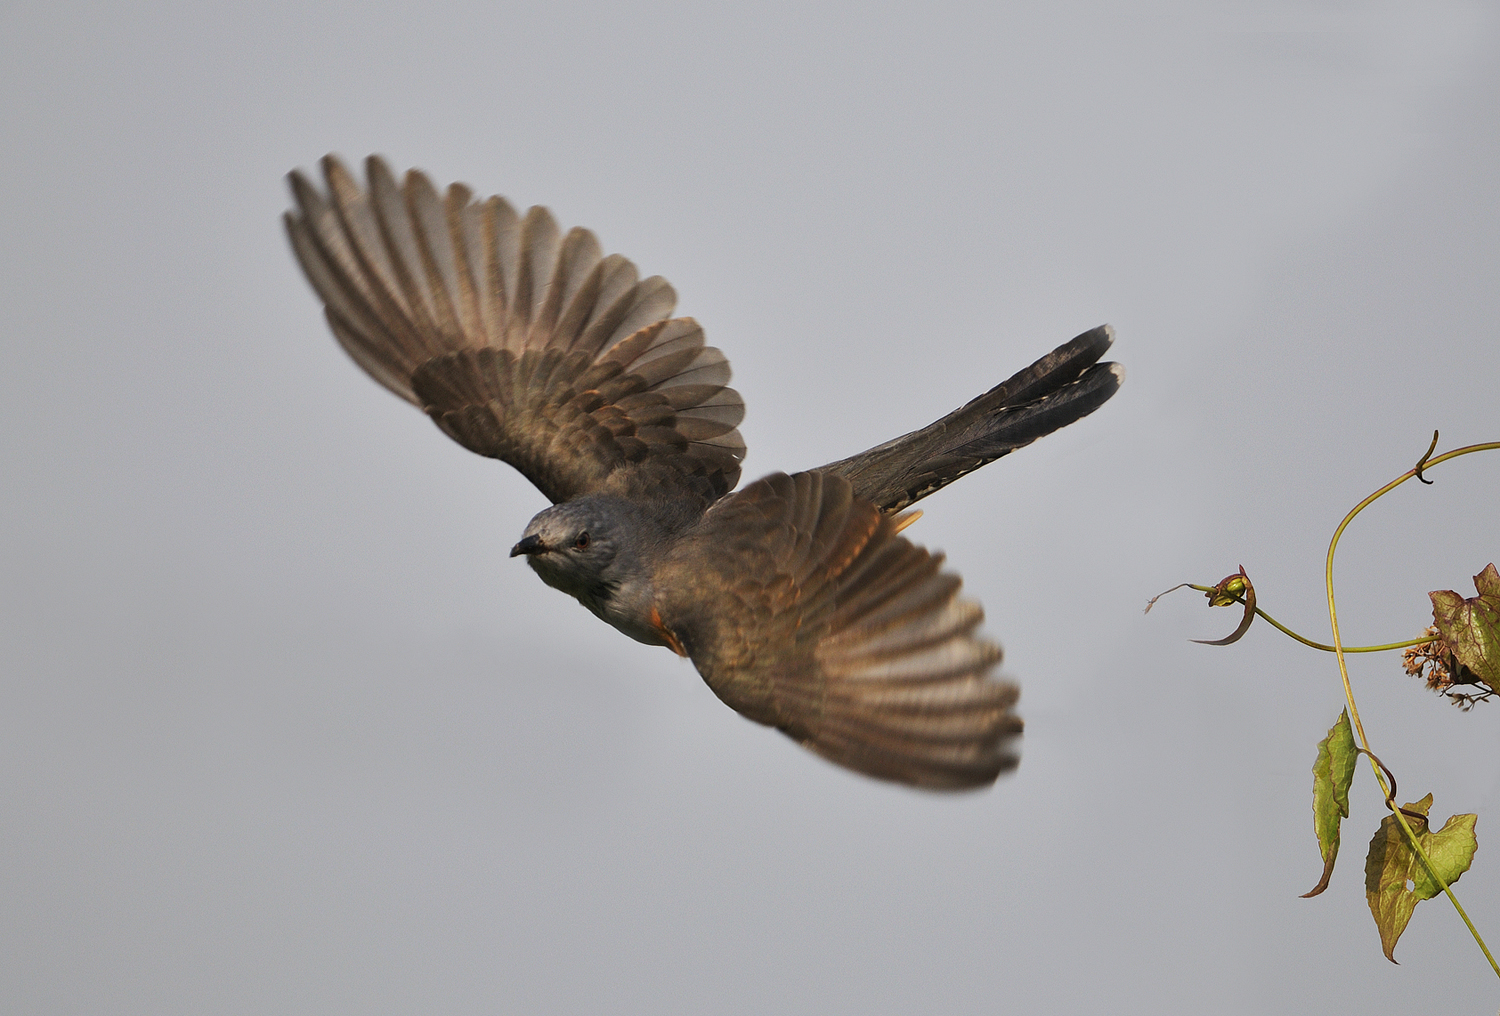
point(1423, 464)
point(1318, 645)
point(1423, 640)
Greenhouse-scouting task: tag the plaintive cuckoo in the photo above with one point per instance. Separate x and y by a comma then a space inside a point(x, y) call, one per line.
point(795, 597)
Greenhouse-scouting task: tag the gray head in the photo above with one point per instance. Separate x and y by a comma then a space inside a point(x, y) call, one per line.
point(573, 546)
point(602, 549)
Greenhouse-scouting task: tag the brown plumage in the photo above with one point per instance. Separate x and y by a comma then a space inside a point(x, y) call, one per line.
point(804, 610)
point(521, 345)
point(795, 598)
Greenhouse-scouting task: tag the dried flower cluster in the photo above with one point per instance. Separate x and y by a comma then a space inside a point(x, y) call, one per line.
point(1434, 662)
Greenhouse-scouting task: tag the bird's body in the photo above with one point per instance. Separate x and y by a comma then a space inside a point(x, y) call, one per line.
point(794, 597)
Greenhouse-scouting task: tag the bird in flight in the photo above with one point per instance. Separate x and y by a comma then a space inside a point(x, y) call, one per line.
point(795, 597)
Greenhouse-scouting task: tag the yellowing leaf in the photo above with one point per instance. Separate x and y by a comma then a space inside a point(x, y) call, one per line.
point(1392, 863)
point(1332, 773)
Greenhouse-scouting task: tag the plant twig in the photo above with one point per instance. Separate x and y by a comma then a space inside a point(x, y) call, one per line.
point(1425, 462)
point(1423, 640)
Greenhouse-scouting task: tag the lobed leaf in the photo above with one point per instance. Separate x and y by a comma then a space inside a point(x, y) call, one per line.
point(1392, 864)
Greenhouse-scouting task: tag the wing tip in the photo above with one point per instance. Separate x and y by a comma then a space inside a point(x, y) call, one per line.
point(977, 770)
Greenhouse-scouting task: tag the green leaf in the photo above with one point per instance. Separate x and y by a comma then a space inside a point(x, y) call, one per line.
point(1332, 773)
point(1471, 627)
point(1392, 864)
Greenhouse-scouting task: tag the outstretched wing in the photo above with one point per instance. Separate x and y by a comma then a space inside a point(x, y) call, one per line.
point(521, 343)
point(804, 610)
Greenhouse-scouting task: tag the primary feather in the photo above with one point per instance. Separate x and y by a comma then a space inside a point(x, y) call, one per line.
point(522, 343)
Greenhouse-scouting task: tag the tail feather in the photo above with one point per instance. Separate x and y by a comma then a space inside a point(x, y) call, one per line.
point(1065, 385)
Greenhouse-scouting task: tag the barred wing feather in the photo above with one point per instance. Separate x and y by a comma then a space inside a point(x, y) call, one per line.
point(521, 342)
point(803, 609)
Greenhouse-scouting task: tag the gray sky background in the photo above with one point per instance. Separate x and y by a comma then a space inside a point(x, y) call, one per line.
point(284, 731)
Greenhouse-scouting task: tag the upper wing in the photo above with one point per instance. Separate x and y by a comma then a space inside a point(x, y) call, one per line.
point(803, 609)
point(522, 344)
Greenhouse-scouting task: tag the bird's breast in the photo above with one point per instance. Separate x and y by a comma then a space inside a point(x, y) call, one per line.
point(630, 608)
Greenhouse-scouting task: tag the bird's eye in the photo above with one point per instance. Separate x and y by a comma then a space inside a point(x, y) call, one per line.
point(582, 542)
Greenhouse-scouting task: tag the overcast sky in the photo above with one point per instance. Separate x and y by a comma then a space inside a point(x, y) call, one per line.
point(284, 730)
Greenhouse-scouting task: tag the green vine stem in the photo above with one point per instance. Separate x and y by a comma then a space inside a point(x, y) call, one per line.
point(1423, 464)
point(1423, 640)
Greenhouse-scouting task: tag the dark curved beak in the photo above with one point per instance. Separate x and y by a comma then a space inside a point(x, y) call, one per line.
point(530, 545)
